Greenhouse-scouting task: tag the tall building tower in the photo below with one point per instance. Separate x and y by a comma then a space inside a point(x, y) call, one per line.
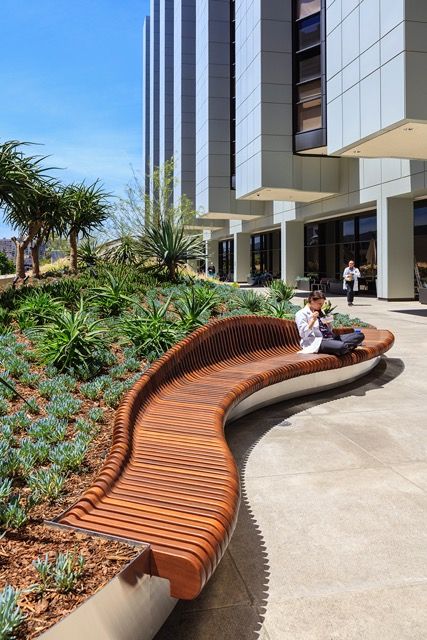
point(299, 129)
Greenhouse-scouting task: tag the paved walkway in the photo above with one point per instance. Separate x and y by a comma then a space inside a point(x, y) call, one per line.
point(331, 542)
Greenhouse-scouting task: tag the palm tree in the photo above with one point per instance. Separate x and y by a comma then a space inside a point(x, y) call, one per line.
point(23, 189)
point(167, 244)
point(86, 207)
point(17, 172)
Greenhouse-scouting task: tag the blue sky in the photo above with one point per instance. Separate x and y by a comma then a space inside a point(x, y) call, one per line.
point(71, 73)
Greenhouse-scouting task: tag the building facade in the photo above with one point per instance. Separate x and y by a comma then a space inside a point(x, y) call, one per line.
point(299, 130)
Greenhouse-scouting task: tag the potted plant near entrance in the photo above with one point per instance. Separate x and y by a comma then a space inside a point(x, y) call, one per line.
point(302, 282)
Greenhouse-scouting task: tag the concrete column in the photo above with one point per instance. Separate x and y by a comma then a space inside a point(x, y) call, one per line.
point(292, 250)
point(395, 261)
point(242, 256)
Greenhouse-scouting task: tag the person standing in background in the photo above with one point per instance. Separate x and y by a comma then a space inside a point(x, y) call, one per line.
point(351, 276)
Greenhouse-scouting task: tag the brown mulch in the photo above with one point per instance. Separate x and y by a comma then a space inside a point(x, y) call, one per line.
point(18, 548)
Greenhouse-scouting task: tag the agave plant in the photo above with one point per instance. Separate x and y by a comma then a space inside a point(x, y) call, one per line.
point(87, 254)
point(251, 302)
point(37, 308)
point(281, 291)
point(169, 247)
point(194, 306)
point(150, 329)
point(70, 341)
point(111, 298)
point(120, 251)
point(279, 309)
point(328, 309)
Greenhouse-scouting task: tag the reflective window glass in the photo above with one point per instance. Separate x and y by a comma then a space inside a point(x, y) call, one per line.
point(309, 90)
point(307, 8)
point(309, 67)
point(310, 115)
point(347, 229)
point(309, 32)
point(367, 227)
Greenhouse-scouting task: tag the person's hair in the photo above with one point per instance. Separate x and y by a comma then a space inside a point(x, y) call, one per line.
point(316, 295)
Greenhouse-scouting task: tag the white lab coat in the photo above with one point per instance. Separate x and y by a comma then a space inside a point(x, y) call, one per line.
point(356, 276)
point(310, 338)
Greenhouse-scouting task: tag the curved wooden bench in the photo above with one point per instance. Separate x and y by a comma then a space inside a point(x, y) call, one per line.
point(170, 480)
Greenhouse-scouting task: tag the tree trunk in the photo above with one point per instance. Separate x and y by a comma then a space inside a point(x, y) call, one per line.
point(20, 251)
point(172, 271)
point(35, 257)
point(73, 251)
point(21, 245)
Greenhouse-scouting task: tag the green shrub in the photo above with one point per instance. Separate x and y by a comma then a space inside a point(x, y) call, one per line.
point(278, 309)
point(38, 451)
point(86, 427)
point(69, 456)
point(64, 406)
point(113, 394)
point(93, 389)
point(36, 309)
point(11, 615)
point(46, 484)
point(96, 414)
point(112, 297)
point(281, 291)
point(250, 302)
point(71, 341)
point(194, 306)
point(5, 489)
point(50, 429)
point(29, 379)
point(14, 515)
point(61, 574)
point(17, 421)
point(4, 407)
point(151, 330)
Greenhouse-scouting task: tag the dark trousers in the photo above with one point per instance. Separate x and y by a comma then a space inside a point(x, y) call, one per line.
point(350, 293)
point(339, 345)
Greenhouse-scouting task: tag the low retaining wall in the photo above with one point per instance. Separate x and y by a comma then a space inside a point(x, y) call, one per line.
point(132, 606)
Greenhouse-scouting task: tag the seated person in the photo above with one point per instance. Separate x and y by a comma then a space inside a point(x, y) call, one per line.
point(316, 332)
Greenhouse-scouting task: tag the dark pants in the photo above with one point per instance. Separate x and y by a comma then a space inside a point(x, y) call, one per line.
point(350, 293)
point(339, 345)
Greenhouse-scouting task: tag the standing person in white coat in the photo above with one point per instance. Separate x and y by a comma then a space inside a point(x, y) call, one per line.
point(351, 276)
point(316, 330)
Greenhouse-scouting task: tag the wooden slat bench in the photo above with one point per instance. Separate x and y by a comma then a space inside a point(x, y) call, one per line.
point(170, 480)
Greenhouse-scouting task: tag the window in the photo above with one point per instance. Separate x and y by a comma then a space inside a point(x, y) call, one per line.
point(226, 259)
point(310, 115)
point(265, 253)
point(420, 238)
point(307, 8)
point(329, 245)
point(309, 32)
point(309, 62)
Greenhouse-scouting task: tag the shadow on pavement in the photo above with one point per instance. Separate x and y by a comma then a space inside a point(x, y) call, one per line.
point(411, 312)
point(233, 603)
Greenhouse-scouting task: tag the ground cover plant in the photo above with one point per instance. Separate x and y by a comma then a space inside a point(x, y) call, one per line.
point(70, 347)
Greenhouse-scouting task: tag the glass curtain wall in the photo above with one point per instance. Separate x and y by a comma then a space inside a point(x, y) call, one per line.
point(232, 94)
point(226, 260)
point(331, 244)
point(420, 238)
point(265, 253)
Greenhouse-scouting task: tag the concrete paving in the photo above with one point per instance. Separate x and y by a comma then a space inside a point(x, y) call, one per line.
point(331, 542)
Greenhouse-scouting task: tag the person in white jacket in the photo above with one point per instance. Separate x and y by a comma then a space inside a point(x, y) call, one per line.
point(351, 276)
point(316, 330)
